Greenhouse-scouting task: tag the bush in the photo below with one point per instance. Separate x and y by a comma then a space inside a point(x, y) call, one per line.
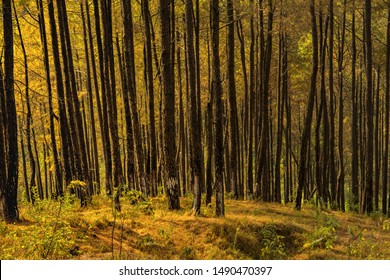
point(140, 201)
point(325, 236)
point(273, 247)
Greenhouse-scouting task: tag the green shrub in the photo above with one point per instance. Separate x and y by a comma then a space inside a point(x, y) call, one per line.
point(325, 236)
point(140, 201)
point(187, 253)
point(273, 247)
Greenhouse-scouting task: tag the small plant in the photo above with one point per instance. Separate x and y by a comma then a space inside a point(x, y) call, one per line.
point(273, 247)
point(146, 207)
point(146, 241)
point(79, 189)
point(363, 247)
point(386, 225)
point(140, 201)
point(325, 236)
point(187, 253)
point(135, 197)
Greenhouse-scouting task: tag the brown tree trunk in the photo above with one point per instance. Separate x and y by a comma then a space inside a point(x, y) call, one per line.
point(29, 117)
point(94, 162)
point(217, 109)
point(150, 88)
point(341, 176)
point(64, 127)
point(110, 87)
point(168, 102)
point(332, 158)
point(130, 75)
point(10, 190)
point(233, 122)
point(3, 141)
point(45, 51)
point(73, 103)
point(385, 161)
point(309, 113)
point(368, 194)
point(354, 130)
point(194, 125)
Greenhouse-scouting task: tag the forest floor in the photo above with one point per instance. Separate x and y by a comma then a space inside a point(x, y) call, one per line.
point(146, 230)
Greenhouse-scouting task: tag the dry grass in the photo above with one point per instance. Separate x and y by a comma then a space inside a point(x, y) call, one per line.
point(250, 230)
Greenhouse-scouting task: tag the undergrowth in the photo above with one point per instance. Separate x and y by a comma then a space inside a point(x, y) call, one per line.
point(146, 230)
point(43, 232)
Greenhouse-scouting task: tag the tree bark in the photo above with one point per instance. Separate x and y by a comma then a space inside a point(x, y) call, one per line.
point(355, 121)
point(385, 161)
point(168, 102)
point(368, 194)
point(309, 112)
point(10, 190)
point(217, 109)
point(194, 125)
point(150, 88)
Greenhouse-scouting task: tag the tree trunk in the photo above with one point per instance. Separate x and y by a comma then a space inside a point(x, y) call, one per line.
point(168, 102)
point(3, 141)
point(251, 101)
point(341, 175)
point(57, 165)
point(64, 127)
point(10, 190)
point(94, 163)
point(106, 142)
point(217, 109)
point(368, 194)
point(309, 112)
point(130, 75)
point(150, 88)
point(194, 125)
point(110, 88)
point(233, 122)
point(385, 161)
point(354, 130)
point(96, 89)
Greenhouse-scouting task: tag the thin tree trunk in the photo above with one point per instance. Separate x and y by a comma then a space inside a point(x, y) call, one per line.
point(233, 122)
point(376, 91)
point(354, 130)
point(64, 128)
point(194, 125)
point(309, 112)
point(95, 163)
point(3, 142)
point(97, 95)
point(341, 175)
point(130, 75)
point(57, 165)
point(110, 87)
point(385, 161)
point(251, 101)
point(368, 194)
point(217, 109)
point(106, 141)
point(149, 73)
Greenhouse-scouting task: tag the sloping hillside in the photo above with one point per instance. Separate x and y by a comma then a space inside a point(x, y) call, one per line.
point(146, 230)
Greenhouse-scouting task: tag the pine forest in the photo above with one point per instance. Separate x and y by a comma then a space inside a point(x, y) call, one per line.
point(194, 129)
